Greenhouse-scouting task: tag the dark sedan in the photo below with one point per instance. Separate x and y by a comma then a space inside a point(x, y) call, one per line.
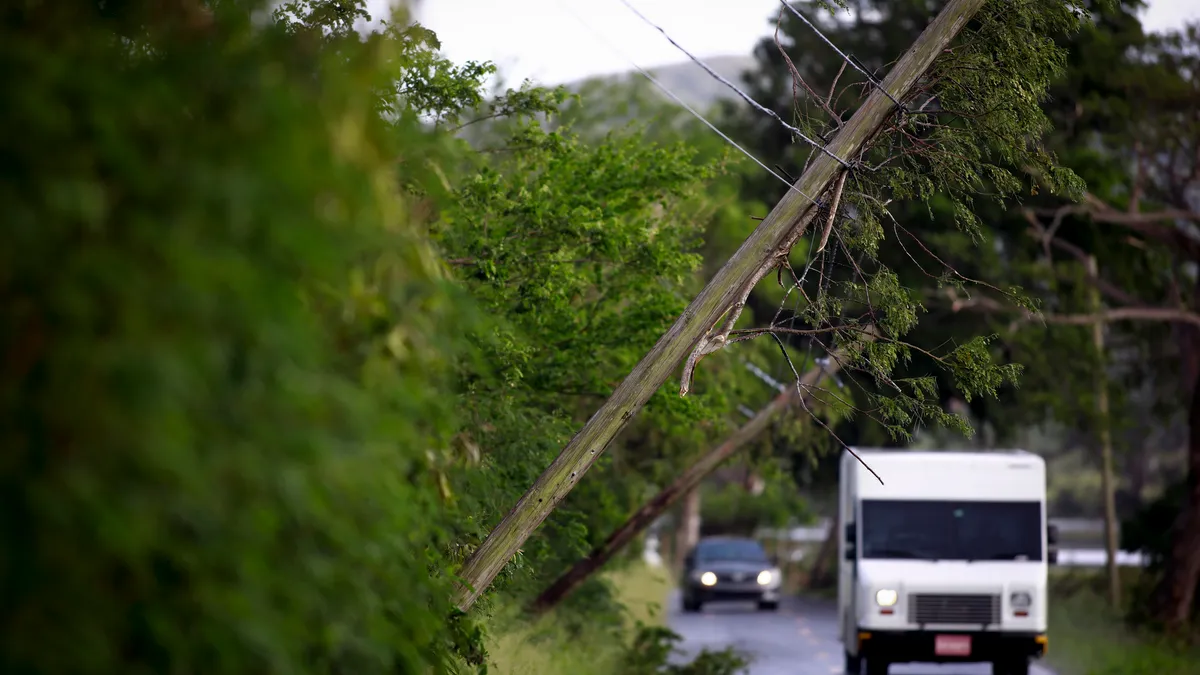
point(729, 569)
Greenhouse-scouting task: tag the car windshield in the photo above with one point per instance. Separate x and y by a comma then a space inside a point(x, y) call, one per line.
point(951, 530)
point(746, 550)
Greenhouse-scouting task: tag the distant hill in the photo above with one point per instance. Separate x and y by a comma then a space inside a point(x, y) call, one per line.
point(689, 81)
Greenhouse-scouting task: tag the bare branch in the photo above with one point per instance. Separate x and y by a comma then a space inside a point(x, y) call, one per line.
point(1048, 240)
point(1149, 224)
point(797, 79)
point(1115, 314)
point(1163, 314)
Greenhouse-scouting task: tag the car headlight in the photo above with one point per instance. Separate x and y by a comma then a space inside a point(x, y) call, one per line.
point(708, 579)
point(1020, 600)
point(764, 577)
point(886, 597)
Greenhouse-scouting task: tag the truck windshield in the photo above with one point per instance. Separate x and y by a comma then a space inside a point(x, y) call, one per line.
point(951, 530)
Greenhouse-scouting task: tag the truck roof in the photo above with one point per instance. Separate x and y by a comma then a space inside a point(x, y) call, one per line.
point(917, 454)
point(945, 474)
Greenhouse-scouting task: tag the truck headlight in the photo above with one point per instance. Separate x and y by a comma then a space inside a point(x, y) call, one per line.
point(708, 579)
point(764, 577)
point(1020, 600)
point(886, 597)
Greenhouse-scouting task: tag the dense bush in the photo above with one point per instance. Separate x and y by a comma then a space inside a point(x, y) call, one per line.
point(222, 346)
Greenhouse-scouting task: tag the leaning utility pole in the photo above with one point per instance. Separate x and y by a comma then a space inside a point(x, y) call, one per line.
point(687, 482)
point(1105, 437)
point(703, 326)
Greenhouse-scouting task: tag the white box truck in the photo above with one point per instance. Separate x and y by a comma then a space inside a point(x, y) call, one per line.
point(944, 561)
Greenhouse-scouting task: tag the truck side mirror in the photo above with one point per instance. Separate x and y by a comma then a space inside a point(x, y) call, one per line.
point(851, 540)
point(1052, 544)
point(1052, 534)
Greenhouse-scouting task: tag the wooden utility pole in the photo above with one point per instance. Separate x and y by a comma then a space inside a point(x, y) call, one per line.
point(1104, 434)
point(721, 299)
point(688, 532)
point(687, 482)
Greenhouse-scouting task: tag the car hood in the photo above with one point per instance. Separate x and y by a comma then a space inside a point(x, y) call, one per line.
point(732, 566)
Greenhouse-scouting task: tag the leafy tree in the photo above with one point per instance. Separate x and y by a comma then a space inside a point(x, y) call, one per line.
point(579, 252)
point(914, 226)
point(1122, 121)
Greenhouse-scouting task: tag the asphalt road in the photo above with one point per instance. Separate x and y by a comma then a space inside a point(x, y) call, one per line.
point(799, 639)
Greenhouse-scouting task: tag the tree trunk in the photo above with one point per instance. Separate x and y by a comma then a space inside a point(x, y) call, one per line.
point(1175, 596)
point(821, 575)
point(759, 254)
point(686, 483)
point(1107, 488)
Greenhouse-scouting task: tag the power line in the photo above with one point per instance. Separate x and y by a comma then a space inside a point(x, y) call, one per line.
point(810, 257)
point(683, 103)
point(734, 87)
point(853, 62)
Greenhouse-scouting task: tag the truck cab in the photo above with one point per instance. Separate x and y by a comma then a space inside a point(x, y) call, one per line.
point(942, 558)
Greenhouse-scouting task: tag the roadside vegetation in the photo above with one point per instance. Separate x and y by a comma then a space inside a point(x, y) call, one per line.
point(1089, 637)
point(593, 648)
point(638, 643)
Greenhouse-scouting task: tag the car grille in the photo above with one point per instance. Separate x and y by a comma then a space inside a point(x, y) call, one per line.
point(924, 608)
point(736, 577)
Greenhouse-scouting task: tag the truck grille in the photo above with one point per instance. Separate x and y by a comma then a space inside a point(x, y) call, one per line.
point(925, 608)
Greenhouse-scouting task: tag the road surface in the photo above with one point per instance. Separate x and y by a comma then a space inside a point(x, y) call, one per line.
point(799, 639)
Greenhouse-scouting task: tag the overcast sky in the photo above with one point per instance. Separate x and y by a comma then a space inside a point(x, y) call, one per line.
point(555, 41)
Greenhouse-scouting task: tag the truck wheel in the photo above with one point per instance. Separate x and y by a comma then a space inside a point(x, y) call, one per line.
point(1011, 667)
point(853, 664)
point(691, 605)
point(877, 666)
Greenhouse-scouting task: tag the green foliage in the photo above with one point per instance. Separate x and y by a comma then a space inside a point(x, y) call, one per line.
point(654, 646)
point(631, 641)
point(973, 125)
point(732, 509)
point(1088, 637)
point(227, 347)
point(582, 245)
point(577, 253)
